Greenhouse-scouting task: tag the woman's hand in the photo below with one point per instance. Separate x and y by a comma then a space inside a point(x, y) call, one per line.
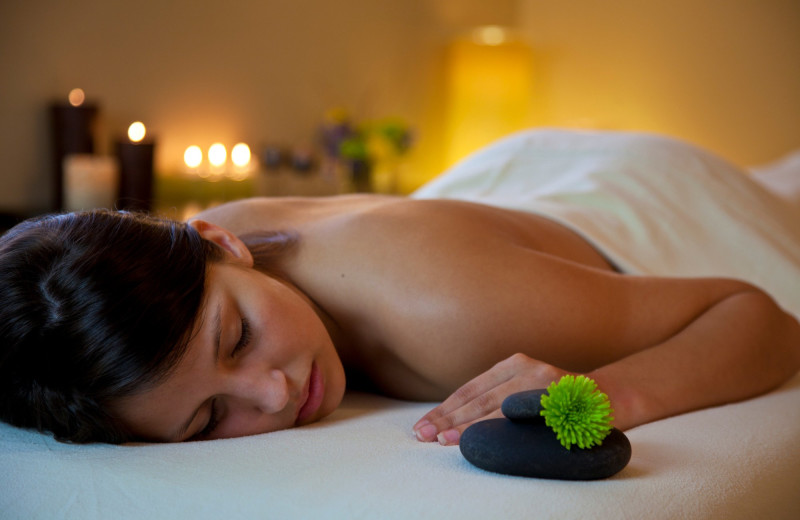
point(482, 397)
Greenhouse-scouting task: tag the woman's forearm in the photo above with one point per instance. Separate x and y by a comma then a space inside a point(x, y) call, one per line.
point(712, 342)
point(740, 347)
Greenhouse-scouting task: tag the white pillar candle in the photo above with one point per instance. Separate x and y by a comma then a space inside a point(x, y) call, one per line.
point(90, 181)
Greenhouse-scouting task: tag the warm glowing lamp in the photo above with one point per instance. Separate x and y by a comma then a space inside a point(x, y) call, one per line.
point(489, 90)
point(490, 35)
point(136, 131)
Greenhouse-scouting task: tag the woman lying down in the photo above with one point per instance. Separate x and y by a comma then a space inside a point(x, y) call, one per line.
point(256, 315)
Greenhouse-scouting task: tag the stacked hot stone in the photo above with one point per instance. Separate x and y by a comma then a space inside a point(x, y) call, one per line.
point(523, 444)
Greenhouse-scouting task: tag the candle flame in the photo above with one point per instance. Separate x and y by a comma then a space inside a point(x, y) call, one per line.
point(217, 154)
point(76, 97)
point(193, 156)
point(240, 155)
point(136, 131)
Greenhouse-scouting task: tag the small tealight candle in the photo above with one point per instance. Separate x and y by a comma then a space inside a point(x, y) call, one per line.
point(217, 154)
point(217, 157)
point(193, 157)
point(240, 156)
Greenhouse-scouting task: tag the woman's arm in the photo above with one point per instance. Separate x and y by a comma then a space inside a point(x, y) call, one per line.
point(742, 346)
point(734, 343)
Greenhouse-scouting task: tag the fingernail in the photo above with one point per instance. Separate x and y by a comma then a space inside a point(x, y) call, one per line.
point(426, 433)
point(448, 437)
point(420, 424)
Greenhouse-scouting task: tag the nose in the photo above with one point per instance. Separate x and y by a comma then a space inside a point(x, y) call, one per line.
point(266, 390)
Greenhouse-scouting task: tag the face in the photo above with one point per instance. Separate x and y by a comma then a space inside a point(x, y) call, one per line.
point(260, 360)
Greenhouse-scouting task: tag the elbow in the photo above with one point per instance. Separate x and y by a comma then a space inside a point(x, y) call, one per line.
point(781, 331)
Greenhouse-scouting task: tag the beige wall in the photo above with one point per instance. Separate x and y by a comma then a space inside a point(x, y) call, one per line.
point(259, 71)
point(722, 73)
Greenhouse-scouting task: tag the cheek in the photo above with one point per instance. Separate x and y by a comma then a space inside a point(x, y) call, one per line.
point(335, 380)
point(335, 394)
point(297, 324)
point(243, 422)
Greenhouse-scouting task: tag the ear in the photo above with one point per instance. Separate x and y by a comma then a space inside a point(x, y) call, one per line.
point(233, 246)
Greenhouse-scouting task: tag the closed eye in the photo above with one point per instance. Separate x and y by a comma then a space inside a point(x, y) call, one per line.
point(244, 338)
point(213, 422)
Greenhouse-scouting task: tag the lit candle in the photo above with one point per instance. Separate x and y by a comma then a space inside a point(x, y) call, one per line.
point(76, 97)
point(240, 156)
point(217, 157)
point(72, 127)
point(193, 158)
point(136, 169)
point(136, 131)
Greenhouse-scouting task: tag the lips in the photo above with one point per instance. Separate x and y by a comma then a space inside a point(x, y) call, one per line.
point(312, 395)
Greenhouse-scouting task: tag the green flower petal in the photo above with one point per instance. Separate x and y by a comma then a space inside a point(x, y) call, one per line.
point(577, 412)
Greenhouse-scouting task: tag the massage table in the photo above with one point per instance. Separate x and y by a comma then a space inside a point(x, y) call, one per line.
point(737, 461)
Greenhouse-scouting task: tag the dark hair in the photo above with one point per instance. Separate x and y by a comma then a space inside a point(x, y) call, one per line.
point(94, 306)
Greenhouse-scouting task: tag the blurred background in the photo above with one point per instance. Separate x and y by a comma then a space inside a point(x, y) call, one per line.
point(377, 95)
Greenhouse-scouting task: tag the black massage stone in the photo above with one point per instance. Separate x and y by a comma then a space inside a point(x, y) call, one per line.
point(533, 450)
point(524, 407)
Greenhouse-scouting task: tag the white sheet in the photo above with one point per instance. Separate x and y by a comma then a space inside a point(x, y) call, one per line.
point(734, 462)
point(739, 461)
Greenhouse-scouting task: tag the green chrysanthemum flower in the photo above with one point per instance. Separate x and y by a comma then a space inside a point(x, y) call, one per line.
point(577, 412)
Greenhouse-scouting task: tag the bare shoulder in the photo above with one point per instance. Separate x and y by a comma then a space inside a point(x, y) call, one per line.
point(272, 213)
point(363, 220)
point(449, 230)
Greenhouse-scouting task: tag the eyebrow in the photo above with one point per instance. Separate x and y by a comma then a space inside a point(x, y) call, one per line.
point(217, 335)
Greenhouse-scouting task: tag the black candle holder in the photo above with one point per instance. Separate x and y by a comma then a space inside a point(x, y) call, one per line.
point(135, 175)
point(72, 132)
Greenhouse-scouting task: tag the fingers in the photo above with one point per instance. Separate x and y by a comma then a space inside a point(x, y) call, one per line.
point(446, 422)
point(476, 392)
point(451, 436)
point(470, 402)
point(482, 397)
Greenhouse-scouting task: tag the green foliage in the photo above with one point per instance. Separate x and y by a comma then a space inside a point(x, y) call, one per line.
point(577, 412)
point(369, 141)
point(354, 148)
